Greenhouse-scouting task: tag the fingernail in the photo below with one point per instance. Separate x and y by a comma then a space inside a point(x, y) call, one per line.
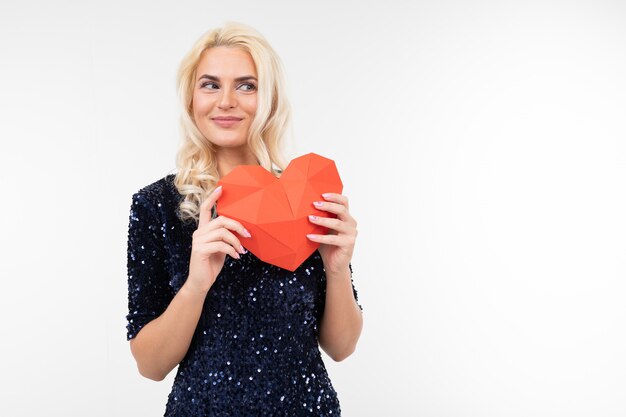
point(237, 257)
point(313, 218)
point(326, 195)
point(218, 189)
point(241, 249)
point(318, 203)
point(311, 236)
point(246, 233)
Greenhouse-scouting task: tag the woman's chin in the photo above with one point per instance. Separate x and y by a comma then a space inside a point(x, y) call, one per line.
point(229, 144)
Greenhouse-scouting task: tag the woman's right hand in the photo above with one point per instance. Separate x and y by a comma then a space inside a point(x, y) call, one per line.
point(212, 241)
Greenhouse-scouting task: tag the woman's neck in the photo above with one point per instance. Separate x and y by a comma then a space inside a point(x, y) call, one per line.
point(229, 158)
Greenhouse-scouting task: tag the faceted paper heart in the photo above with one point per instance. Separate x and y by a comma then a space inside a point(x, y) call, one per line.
point(275, 210)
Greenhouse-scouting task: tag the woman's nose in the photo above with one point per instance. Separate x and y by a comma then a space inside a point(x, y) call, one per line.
point(227, 99)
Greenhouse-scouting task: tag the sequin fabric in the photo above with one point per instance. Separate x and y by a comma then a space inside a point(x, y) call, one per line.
point(254, 351)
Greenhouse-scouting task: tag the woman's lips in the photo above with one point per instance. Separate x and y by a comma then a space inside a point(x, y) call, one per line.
point(226, 121)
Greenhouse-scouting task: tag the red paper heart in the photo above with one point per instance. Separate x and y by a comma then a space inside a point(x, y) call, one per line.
point(275, 210)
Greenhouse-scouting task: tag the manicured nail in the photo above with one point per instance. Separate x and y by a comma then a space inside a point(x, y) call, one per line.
point(246, 233)
point(237, 256)
point(241, 249)
point(312, 236)
point(318, 203)
point(313, 218)
point(326, 195)
point(218, 189)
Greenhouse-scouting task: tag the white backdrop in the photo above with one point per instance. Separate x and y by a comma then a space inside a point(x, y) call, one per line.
point(482, 145)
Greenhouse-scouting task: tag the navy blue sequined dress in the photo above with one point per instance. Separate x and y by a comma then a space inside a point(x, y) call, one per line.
point(255, 350)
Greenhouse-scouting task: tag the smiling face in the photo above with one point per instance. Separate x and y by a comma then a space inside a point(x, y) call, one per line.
point(225, 96)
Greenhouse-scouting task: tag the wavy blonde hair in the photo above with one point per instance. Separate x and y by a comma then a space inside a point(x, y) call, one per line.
point(197, 173)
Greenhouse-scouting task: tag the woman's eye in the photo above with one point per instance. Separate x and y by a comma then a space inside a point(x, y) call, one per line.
point(210, 85)
point(247, 87)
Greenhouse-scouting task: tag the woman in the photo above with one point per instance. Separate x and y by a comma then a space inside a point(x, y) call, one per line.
point(243, 333)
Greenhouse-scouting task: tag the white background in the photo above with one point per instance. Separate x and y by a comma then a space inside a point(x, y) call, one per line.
point(482, 145)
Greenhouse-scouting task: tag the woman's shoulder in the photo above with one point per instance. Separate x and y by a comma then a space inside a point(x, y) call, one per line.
point(159, 187)
point(160, 193)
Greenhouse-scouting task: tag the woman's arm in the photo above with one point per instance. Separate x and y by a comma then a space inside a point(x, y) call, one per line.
point(341, 324)
point(342, 321)
point(163, 342)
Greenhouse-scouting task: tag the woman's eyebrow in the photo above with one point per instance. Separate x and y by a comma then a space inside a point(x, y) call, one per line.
point(238, 79)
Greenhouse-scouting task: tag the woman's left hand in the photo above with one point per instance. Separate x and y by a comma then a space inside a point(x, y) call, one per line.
point(338, 245)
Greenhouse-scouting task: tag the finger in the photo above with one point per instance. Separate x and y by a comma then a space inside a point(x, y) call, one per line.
point(336, 198)
point(331, 223)
point(207, 205)
point(339, 209)
point(335, 240)
point(223, 235)
point(212, 248)
point(228, 223)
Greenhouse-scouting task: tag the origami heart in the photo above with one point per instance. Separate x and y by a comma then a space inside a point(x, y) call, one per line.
point(275, 210)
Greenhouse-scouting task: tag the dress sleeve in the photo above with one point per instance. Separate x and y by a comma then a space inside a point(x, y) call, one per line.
point(149, 293)
point(356, 296)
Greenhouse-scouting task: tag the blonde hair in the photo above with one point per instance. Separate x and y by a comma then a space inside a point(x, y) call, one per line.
point(197, 172)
